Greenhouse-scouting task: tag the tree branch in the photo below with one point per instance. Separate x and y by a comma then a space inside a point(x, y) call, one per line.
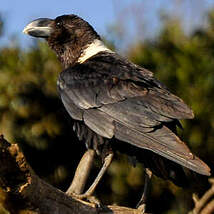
point(27, 191)
point(202, 205)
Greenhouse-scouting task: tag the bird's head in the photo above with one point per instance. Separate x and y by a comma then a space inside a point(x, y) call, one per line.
point(67, 35)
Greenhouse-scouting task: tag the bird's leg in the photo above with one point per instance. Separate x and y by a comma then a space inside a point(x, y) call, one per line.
point(82, 173)
point(142, 203)
point(90, 191)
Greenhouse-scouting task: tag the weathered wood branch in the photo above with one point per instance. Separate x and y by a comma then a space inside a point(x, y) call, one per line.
point(204, 205)
point(27, 191)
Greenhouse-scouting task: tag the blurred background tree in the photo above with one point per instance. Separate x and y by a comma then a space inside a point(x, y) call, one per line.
point(32, 114)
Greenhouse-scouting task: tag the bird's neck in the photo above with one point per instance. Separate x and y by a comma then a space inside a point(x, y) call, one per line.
point(92, 49)
point(71, 54)
point(67, 54)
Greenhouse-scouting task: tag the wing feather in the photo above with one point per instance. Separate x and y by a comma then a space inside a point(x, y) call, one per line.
point(163, 142)
point(74, 111)
point(99, 122)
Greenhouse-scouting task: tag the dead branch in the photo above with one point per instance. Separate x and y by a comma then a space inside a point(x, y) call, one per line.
point(204, 205)
point(28, 192)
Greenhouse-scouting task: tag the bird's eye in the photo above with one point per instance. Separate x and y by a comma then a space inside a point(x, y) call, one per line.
point(59, 24)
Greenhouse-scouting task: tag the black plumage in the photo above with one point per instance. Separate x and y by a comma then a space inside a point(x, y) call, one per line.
point(115, 103)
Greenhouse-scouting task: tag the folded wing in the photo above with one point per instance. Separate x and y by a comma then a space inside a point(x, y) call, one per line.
point(130, 106)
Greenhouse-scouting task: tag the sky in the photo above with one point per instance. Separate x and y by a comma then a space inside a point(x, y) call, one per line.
point(99, 13)
point(17, 13)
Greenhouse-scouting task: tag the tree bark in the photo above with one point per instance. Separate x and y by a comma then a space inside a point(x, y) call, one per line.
point(26, 191)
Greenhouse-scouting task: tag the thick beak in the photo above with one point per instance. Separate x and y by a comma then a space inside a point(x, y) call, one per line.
point(39, 28)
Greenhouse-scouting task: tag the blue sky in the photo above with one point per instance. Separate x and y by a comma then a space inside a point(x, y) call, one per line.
point(19, 12)
point(100, 13)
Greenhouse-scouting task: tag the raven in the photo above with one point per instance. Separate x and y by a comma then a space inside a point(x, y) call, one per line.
point(115, 103)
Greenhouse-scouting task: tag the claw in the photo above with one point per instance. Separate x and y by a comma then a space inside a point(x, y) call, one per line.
point(88, 198)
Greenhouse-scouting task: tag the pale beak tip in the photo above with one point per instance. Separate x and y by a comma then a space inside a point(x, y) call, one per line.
point(24, 31)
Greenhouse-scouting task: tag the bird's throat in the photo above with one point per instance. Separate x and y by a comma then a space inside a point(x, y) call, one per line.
point(67, 54)
point(71, 54)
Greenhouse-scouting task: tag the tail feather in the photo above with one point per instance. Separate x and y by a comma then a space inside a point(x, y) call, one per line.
point(165, 143)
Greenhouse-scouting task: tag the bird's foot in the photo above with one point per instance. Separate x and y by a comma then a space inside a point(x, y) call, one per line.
point(142, 207)
point(88, 198)
point(142, 203)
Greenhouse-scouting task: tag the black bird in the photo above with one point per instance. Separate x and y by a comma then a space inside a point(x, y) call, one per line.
point(115, 102)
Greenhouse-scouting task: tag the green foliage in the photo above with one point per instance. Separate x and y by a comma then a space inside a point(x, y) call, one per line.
point(24, 77)
point(32, 114)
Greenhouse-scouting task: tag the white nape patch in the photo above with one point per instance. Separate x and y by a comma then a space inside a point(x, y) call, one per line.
point(95, 47)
